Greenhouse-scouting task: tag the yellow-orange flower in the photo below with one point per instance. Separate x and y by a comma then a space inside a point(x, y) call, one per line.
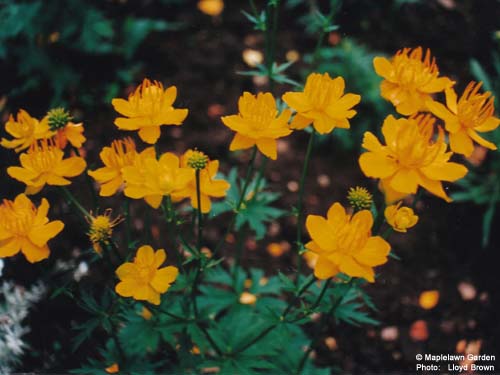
point(148, 108)
point(472, 113)
point(322, 104)
point(43, 164)
point(345, 244)
point(72, 133)
point(409, 79)
point(143, 279)
point(26, 228)
point(151, 179)
point(209, 186)
point(411, 158)
point(258, 123)
point(400, 218)
point(121, 153)
point(26, 130)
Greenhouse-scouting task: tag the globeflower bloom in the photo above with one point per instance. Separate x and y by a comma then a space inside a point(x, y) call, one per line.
point(121, 153)
point(143, 279)
point(151, 179)
point(26, 130)
point(322, 103)
point(148, 108)
point(209, 186)
point(400, 218)
point(409, 79)
point(258, 123)
point(411, 158)
point(345, 244)
point(26, 228)
point(472, 113)
point(44, 163)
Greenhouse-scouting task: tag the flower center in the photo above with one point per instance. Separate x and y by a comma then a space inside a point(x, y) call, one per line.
point(17, 220)
point(43, 158)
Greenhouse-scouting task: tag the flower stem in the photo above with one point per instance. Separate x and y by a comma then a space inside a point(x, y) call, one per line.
point(246, 183)
point(89, 182)
point(126, 213)
point(300, 214)
point(73, 201)
point(323, 321)
point(282, 318)
point(171, 220)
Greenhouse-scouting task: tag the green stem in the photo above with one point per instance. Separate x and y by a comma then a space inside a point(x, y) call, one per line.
point(322, 34)
point(126, 213)
point(260, 176)
point(300, 214)
point(240, 245)
point(171, 220)
point(246, 183)
point(282, 318)
point(323, 321)
point(72, 200)
point(89, 182)
point(322, 294)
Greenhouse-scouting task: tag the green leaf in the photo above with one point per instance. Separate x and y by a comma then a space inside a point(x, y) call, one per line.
point(480, 74)
point(135, 30)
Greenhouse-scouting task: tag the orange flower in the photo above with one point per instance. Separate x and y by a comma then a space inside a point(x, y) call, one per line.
point(209, 186)
point(72, 133)
point(143, 279)
point(26, 130)
point(258, 123)
point(43, 164)
point(25, 228)
point(464, 118)
point(410, 158)
point(148, 108)
point(151, 179)
point(345, 244)
point(120, 154)
point(322, 104)
point(409, 79)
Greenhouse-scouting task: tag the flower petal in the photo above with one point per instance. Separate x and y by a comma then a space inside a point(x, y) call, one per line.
point(150, 134)
point(320, 232)
point(145, 256)
point(34, 253)
point(374, 253)
point(40, 235)
point(240, 142)
point(324, 269)
point(163, 278)
point(268, 147)
point(377, 165)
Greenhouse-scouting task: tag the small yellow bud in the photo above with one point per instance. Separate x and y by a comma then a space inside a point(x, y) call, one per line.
point(400, 219)
point(359, 198)
point(196, 159)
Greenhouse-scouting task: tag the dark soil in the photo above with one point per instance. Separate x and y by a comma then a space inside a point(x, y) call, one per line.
point(202, 60)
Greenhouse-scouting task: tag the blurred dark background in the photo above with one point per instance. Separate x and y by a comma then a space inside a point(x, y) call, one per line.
point(81, 54)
